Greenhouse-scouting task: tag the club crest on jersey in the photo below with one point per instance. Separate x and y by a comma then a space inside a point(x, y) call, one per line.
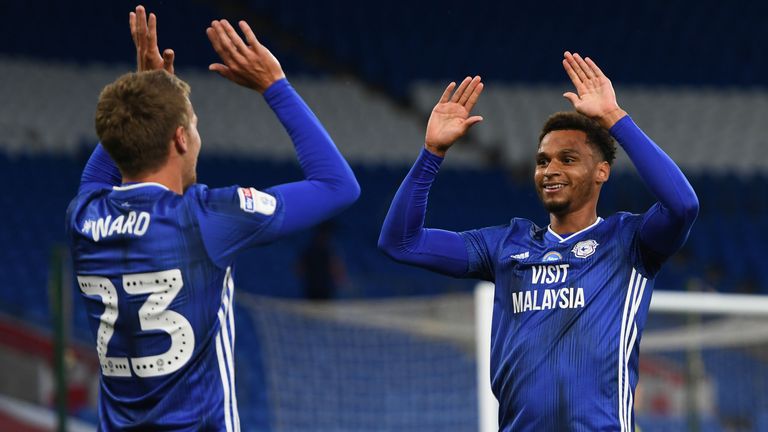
point(584, 249)
point(552, 256)
point(255, 201)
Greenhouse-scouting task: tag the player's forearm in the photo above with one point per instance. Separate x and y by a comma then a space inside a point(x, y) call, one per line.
point(100, 169)
point(316, 152)
point(668, 224)
point(329, 185)
point(403, 236)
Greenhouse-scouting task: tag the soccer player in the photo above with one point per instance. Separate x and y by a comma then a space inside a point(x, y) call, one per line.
point(153, 250)
point(571, 298)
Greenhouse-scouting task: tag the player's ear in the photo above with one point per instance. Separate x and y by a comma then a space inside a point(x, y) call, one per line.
point(602, 172)
point(180, 140)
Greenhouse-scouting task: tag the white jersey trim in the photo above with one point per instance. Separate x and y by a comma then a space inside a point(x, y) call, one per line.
point(139, 185)
point(627, 340)
point(230, 284)
point(224, 382)
point(227, 332)
point(561, 239)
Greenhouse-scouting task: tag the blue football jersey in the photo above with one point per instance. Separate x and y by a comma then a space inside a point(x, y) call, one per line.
point(567, 320)
point(155, 270)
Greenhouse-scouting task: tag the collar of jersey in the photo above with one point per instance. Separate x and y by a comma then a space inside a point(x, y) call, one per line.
point(558, 238)
point(130, 186)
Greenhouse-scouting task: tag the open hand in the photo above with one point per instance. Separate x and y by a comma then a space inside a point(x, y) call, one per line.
point(144, 34)
point(251, 65)
point(450, 118)
point(594, 97)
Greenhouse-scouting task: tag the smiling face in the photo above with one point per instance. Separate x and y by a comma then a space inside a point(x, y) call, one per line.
point(569, 172)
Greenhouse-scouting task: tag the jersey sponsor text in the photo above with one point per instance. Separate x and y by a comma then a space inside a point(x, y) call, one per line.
point(533, 300)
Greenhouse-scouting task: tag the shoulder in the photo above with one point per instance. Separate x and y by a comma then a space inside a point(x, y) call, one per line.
point(627, 226)
point(624, 220)
point(520, 230)
point(525, 226)
point(622, 226)
point(494, 236)
point(233, 208)
point(623, 217)
point(84, 197)
point(91, 190)
point(237, 199)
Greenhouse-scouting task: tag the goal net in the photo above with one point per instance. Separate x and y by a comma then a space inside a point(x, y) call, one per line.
point(704, 363)
point(420, 364)
point(383, 365)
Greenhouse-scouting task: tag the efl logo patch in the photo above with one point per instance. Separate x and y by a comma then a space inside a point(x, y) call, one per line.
point(255, 201)
point(584, 248)
point(552, 256)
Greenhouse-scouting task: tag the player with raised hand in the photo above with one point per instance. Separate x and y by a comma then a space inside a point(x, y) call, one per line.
point(154, 251)
point(450, 119)
point(144, 35)
point(241, 61)
point(571, 298)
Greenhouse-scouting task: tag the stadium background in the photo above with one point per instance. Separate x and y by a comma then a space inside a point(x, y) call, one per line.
point(691, 74)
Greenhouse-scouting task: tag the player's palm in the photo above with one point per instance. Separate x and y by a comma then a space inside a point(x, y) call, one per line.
point(248, 63)
point(450, 118)
point(144, 34)
point(152, 60)
point(447, 123)
point(594, 97)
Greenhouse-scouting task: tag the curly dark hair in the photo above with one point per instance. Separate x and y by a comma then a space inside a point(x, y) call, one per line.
point(596, 135)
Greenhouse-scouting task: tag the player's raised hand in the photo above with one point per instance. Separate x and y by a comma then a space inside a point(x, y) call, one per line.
point(450, 118)
point(144, 34)
point(594, 97)
point(250, 65)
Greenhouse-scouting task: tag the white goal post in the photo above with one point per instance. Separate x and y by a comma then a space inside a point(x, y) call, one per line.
point(488, 406)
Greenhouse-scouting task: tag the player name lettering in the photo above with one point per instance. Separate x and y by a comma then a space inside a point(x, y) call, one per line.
point(549, 273)
point(563, 298)
point(136, 224)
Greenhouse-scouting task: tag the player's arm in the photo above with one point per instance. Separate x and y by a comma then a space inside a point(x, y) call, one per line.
point(100, 170)
point(403, 236)
point(666, 225)
point(329, 185)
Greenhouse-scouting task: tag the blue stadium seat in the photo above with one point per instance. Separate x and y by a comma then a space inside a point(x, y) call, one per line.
point(722, 237)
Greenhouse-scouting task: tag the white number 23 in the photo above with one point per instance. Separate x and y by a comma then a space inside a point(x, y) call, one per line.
point(162, 288)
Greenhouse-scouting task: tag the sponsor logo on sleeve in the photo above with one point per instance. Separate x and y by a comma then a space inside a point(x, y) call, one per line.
point(255, 201)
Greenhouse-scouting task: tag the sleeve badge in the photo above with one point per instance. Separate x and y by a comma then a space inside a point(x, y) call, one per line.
point(255, 201)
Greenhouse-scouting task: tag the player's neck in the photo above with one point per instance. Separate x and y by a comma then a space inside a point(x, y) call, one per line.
point(167, 177)
point(571, 222)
